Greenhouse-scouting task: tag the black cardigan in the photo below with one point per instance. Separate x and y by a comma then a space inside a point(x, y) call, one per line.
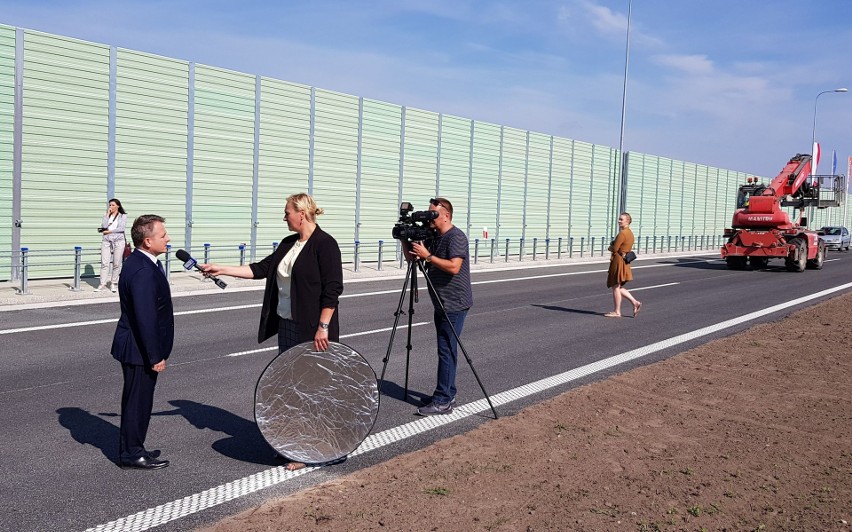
point(316, 282)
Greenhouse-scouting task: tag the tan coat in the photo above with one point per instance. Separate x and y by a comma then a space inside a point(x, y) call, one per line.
point(619, 271)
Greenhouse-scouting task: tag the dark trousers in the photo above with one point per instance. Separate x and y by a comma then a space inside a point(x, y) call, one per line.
point(448, 355)
point(288, 335)
point(137, 400)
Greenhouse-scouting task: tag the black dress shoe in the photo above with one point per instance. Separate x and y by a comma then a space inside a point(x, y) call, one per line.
point(153, 454)
point(143, 462)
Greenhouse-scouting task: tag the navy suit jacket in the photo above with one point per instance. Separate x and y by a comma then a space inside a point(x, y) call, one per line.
point(146, 329)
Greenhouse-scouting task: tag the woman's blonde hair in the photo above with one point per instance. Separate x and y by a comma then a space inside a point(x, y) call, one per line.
point(306, 204)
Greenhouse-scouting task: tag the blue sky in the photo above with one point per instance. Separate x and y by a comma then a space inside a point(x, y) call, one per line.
point(725, 83)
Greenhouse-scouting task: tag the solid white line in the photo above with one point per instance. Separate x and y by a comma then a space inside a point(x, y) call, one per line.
point(113, 320)
point(351, 335)
point(171, 511)
point(59, 326)
point(114, 299)
point(181, 313)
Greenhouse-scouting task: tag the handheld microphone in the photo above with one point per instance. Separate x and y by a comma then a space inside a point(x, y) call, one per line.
point(190, 263)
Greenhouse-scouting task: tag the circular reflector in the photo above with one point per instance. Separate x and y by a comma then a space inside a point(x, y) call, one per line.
point(316, 406)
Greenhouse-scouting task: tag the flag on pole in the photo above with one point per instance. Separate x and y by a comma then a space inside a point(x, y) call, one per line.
point(815, 161)
point(833, 162)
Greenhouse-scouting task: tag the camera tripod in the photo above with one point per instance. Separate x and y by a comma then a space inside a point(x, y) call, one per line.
point(410, 284)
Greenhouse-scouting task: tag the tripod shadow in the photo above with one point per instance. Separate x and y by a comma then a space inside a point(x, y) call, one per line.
point(244, 441)
point(89, 429)
point(572, 310)
point(395, 391)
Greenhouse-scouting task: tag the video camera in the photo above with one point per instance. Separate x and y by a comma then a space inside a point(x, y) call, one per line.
point(414, 226)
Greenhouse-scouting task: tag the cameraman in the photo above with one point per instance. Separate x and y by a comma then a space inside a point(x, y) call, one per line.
point(448, 267)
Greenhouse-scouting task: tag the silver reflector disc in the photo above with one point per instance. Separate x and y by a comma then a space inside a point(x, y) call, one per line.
point(314, 406)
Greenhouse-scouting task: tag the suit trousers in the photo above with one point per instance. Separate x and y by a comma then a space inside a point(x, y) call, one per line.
point(137, 401)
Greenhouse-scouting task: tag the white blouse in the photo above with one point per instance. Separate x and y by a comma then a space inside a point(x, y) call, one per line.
point(285, 268)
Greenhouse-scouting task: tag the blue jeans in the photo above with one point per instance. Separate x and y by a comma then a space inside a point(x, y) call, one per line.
point(448, 358)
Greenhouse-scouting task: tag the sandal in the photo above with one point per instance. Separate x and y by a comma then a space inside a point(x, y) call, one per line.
point(612, 315)
point(636, 309)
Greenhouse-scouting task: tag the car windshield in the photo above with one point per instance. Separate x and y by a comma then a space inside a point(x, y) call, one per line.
point(831, 230)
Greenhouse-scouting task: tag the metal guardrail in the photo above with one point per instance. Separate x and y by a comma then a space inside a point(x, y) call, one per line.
point(375, 251)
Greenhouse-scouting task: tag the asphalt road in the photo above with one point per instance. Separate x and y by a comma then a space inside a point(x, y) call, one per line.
point(60, 389)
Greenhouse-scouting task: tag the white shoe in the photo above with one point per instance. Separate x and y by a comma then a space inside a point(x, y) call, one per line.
point(99, 288)
point(114, 289)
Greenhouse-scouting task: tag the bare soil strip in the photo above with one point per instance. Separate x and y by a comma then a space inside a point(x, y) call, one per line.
point(750, 432)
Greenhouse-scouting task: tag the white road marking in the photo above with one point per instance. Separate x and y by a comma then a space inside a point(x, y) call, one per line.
point(342, 336)
point(654, 286)
point(345, 296)
point(58, 326)
point(114, 320)
point(197, 502)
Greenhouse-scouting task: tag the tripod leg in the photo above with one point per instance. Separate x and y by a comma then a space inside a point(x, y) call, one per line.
point(396, 314)
point(412, 297)
point(458, 340)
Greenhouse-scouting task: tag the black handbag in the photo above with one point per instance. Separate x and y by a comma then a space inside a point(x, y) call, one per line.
point(629, 257)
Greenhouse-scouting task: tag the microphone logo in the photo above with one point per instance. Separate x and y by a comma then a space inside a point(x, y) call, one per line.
point(190, 264)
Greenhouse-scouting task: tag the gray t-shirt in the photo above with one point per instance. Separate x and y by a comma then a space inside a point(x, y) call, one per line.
point(455, 290)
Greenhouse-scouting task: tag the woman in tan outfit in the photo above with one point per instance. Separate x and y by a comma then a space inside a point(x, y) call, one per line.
point(619, 271)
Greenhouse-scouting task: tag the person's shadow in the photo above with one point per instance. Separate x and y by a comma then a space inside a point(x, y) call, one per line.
point(89, 429)
point(394, 390)
point(244, 441)
point(573, 310)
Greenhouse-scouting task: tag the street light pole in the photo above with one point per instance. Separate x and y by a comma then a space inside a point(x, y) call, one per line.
point(622, 189)
point(813, 134)
point(814, 162)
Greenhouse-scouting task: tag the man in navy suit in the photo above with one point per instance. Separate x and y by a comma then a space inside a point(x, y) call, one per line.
point(143, 338)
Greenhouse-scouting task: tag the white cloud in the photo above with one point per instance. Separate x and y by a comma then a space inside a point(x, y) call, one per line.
point(606, 22)
point(690, 64)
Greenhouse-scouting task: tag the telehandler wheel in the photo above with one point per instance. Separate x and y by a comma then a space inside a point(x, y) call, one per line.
point(736, 263)
point(816, 262)
point(800, 253)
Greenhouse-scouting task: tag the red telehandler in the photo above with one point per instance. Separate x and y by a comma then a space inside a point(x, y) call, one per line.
point(762, 230)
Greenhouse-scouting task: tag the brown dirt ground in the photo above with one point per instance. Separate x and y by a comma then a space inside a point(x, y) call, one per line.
point(750, 432)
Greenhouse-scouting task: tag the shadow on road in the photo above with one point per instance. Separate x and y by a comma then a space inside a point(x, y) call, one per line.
point(89, 429)
point(697, 264)
point(572, 310)
point(244, 441)
point(395, 391)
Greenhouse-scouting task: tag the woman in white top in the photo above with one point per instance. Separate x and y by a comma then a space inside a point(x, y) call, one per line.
point(304, 280)
point(112, 245)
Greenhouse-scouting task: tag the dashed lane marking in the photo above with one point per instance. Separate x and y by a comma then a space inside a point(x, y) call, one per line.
point(257, 305)
point(342, 336)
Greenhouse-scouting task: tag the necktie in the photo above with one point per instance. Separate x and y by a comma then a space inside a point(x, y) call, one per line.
point(160, 266)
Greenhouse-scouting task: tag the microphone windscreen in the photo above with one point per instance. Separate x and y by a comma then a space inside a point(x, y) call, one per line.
point(183, 256)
